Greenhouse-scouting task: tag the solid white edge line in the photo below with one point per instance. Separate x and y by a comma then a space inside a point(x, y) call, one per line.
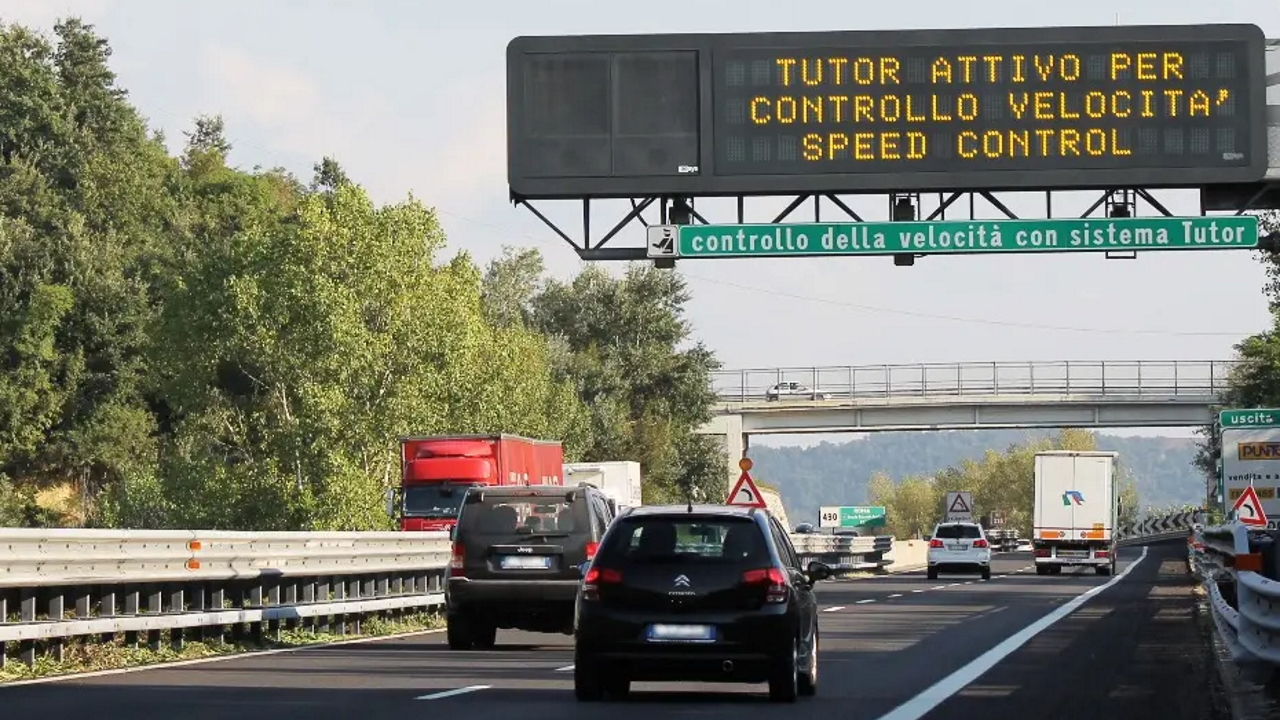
point(450, 693)
point(202, 661)
point(566, 668)
point(896, 595)
point(933, 696)
point(833, 608)
point(864, 602)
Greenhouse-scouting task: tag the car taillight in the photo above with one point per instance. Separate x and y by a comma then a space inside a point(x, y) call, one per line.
point(1102, 553)
point(596, 577)
point(979, 543)
point(935, 543)
point(591, 549)
point(774, 578)
point(1042, 552)
point(456, 562)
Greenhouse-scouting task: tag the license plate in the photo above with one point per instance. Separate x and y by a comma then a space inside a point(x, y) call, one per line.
point(1073, 553)
point(957, 546)
point(681, 633)
point(526, 562)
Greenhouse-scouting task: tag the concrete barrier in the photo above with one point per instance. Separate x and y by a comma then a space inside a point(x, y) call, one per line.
point(908, 555)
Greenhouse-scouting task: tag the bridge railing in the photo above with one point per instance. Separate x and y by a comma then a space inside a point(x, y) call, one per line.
point(1238, 568)
point(1189, 379)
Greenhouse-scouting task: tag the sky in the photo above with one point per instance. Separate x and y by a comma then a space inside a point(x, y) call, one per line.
point(410, 98)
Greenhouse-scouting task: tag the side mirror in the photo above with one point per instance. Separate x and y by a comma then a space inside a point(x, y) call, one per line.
point(818, 571)
point(389, 498)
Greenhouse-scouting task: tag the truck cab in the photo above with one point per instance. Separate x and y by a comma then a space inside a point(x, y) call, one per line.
point(436, 472)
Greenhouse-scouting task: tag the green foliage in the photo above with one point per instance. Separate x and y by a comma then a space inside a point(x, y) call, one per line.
point(189, 344)
point(625, 346)
point(839, 474)
point(1255, 380)
point(999, 481)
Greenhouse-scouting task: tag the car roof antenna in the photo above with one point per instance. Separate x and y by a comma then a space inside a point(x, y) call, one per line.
point(688, 496)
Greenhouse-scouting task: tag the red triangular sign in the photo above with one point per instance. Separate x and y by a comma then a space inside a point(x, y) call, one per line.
point(745, 493)
point(1248, 508)
point(958, 505)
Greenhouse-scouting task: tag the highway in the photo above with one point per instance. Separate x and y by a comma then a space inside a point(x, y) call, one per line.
point(895, 647)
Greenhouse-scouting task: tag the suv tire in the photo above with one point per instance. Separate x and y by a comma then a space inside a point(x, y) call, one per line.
point(784, 680)
point(809, 678)
point(458, 632)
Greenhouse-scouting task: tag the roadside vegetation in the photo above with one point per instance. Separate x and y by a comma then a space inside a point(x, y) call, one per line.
point(188, 343)
point(92, 656)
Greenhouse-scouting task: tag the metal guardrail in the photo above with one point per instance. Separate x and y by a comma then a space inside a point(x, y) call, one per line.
point(60, 584)
point(844, 553)
point(1192, 380)
point(1159, 527)
point(171, 586)
point(1245, 602)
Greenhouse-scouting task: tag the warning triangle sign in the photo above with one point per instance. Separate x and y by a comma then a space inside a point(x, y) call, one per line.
point(745, 493)
point(1248, 508)
point(958, 505)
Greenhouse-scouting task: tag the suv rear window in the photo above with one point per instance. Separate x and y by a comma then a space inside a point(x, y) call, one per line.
point(497, 516)
point(685, 540)
point(958, 532)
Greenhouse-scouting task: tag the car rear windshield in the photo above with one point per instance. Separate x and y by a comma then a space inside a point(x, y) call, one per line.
point(958, 532)
point(685, 540)
point(498, 516)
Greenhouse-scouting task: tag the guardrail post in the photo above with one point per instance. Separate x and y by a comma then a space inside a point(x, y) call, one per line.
point(924, 379)
point(1139, 377)
point(888, 381)
point(27, 614)
point(995, 379)
point(1103, 366)
point(1031, 373)
point(852, 391)
point(1067, 364)
point(959, 379)
point(57, 612)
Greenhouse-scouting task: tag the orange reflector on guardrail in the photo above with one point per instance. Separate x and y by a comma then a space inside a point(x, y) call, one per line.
point(193, 564)
point(1251, 562)
point(193, 545)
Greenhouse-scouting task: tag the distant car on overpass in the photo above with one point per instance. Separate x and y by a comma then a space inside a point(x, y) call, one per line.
point(794, 390)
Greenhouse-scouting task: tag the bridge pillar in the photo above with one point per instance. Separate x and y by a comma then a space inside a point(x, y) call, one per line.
point(735, 445)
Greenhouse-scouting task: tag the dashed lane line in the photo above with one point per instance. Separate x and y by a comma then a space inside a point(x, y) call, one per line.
point(450, 693)
point(864, 602)
point(833, 608)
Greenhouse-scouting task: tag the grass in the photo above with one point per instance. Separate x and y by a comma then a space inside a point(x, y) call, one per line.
point(80, 657)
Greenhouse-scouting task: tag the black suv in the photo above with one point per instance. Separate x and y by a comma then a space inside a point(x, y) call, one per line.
point(701, 593)
point(518, 556)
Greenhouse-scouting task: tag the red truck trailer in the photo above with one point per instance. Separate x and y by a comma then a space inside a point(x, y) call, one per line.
point(435, 473)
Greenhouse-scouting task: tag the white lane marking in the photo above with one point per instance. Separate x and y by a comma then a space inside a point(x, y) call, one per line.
point(202, 661)
point(450, 693)
point(969, 582)
point(896, 595)
point(566, 668)
point(864, 602)
point(917, 591)
point(957, 584)
point(938, 587)
point(833, 608)
point(933, 696)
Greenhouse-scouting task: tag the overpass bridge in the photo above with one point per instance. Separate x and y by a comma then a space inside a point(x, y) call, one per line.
point(965, 395)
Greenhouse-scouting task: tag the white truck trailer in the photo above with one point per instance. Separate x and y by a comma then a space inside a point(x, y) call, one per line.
point(619, 479)
point(1077, 505)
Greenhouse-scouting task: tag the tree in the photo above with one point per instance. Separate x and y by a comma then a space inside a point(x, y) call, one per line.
point(309, 332)
point(626, 347)
point(1254, 381)
point(85, 208)
point(1000, 482)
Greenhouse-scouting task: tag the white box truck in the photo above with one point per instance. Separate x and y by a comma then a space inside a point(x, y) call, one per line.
point(618, 479)
point(1076, 510)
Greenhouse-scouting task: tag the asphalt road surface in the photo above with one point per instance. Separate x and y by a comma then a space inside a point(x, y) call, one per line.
point(895, 647)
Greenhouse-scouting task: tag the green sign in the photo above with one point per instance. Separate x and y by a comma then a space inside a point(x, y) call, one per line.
point(1255, 417)
point(851, 516)
point(955, 237)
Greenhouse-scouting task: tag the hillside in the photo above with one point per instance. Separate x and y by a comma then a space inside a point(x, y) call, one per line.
point(837, 474)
